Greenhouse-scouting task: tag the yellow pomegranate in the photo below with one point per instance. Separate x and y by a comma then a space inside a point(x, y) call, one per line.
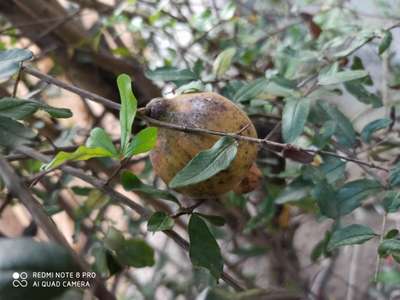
point(175, 149)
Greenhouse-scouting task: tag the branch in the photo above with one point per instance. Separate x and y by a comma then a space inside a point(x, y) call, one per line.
point(19, 190)
point(265, 142)
point(120, 198)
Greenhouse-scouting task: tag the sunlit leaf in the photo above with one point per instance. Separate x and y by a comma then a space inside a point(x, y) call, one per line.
point(128, 109)
point(142, 142)
point(206, 163)
point(82, 153)
point(98, 138)
point(294, 118)
point(223, 62)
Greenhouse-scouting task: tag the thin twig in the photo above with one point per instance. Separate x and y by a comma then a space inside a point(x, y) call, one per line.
point(14, 93)
point(378, 258)
point(188, 210)
point(141, 114)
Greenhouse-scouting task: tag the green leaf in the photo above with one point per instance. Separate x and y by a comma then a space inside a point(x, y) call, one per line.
point(56, 112)
point(135, 253)
point(250, 90)
point(394, 175)
point(295, 114)
point(391, 201)
point(351, 195)
point(81, 190)
point(372, 127)
point(326, 199)
point(114, 239)
point(325, 133)
point(386, 41)
point(15, 55)
point(223, 62)
point(191, 87)
point(344, 128)
point(131, 182)
point(296, 191)
point(19, 109)
point(204, 250)
point(350, 235)
point(82, 153)
point(94, 200)
point(340, 77)
point(142, 142)
point(160, 221)
point(213, 219)
point(356, 88)
point(228, 11)
point(391, 234)
point(13, 133)
point(171, 74)
point(98, 138)
point(389, 247)
point(280, 86)
point(206, 163)
point(10, 61)
point(128, 109)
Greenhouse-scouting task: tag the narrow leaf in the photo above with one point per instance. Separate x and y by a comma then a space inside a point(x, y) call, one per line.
point(82, 153)
point(386, 41)
point(13, 133)
point(394, 175)
point(223, 62)
point(131, 182)
point(344, 128)
point(350, 235)
point(142, 142)
point(171, 74)
point(100, 139)
point(356, 88)
point(250, 90)
point(213, 219)
point(10, 61)
point(15, 55)
point(19, 109)
point(128, 109)
point(389, 247)
point(326, 199)
point(353, 193)
point(340, 77)
point(391, 201)
point(207, 163)
point(374, 126)
point(295, 114)
point(204, 250)
point(56, 112)
point(160, 221)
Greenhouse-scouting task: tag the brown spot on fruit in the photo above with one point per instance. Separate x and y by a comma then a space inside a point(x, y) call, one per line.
point(250, 182)
point(202, 110)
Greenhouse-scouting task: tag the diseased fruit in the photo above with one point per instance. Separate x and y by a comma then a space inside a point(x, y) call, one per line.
point(175, 149)
point(250, 182)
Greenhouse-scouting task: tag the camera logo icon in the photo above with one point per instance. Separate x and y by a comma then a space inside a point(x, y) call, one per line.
point(19, 279)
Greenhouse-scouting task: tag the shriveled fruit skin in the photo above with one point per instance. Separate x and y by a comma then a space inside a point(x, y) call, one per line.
point(174, 149)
